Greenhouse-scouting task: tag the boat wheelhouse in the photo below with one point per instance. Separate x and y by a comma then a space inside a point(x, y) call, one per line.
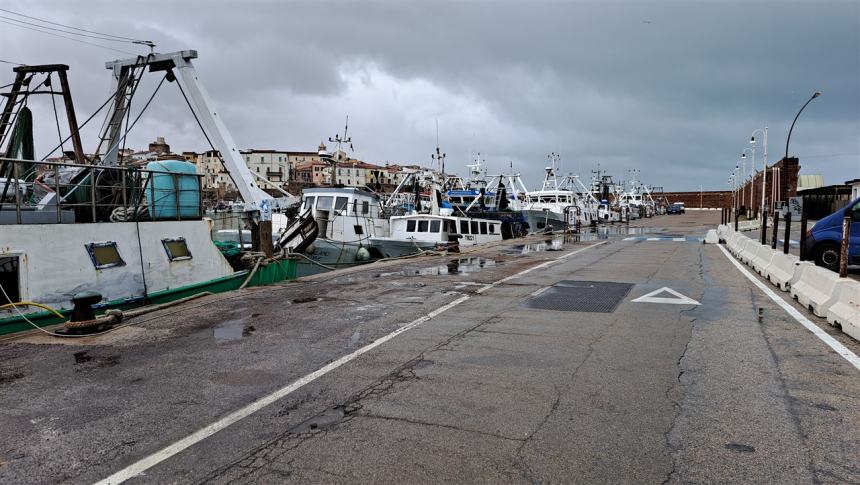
point(425, 232)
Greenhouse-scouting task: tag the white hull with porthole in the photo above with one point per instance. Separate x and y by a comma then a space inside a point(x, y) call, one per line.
point(48, 263)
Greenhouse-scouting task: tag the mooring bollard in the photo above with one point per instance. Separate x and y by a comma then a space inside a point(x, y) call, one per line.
point(787, 232)
point(802, 235)
point(764, 227)
point(843, 252)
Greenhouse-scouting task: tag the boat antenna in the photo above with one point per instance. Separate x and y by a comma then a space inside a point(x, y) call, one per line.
point(340, 140)
point(438, 156)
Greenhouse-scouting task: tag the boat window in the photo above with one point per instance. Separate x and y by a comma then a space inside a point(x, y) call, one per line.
point(464, 227)
point(176, 248)
point(359, 229)
point(340, 203)
point(410, 226)
point(452, 226)
point(9, 280)
point(474, 227)
point(434, 226)
point(104, 254)
point(324, 202)
point(492, 228)
point(365, 207)
point(422, 226)
point(483, 227)
point(309, 202)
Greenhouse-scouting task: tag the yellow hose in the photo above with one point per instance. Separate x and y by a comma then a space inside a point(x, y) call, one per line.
point(32, 303)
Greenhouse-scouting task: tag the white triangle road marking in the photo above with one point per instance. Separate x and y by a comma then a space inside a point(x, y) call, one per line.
point(678, 300)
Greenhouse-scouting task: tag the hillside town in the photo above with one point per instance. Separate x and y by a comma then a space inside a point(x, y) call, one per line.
point(282, 170)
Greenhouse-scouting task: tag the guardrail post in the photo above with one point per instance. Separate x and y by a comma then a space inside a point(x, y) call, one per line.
point(764, 227)
point(775, 230)
point(787, 232)
point(843, 251)
point(803, 235)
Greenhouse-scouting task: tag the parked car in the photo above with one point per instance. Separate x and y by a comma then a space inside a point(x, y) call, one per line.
point(675, 209)
point(824, 239)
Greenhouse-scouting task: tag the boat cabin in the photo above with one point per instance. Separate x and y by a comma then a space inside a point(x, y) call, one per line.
point(442, 229)
point(345, 214)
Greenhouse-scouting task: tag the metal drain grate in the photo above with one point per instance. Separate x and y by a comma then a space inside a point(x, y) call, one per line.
point(580, 296)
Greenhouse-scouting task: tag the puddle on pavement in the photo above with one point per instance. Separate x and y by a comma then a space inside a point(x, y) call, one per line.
point(231, 330)
point(468, 265)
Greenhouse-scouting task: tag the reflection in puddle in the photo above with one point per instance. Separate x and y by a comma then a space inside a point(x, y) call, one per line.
point(454, 266)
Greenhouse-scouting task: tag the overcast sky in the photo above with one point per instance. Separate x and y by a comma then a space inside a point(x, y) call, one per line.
point(673, 89)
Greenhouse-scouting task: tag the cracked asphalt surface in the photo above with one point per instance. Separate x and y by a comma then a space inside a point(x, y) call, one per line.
point(488, 391)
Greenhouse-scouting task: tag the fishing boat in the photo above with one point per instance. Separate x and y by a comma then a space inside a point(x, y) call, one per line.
point(96, 231)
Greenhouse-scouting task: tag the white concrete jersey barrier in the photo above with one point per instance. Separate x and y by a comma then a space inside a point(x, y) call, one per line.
point(746, 250)
point(815, 287)
point(761, 258)
point(782, 268)
point(844, 310)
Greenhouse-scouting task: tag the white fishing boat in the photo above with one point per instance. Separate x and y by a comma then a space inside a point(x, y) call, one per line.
point(106, 234)
point(347, 219)
point(427, 232)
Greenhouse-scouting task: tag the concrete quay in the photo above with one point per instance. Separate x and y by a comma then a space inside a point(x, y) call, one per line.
point(633, 355)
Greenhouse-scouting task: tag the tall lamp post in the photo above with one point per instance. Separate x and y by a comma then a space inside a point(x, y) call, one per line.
point(764, 165)
point(788, 139)
point(802, 211)
point(752, 174)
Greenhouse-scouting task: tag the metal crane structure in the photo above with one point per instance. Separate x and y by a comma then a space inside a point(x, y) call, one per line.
point(178, 67)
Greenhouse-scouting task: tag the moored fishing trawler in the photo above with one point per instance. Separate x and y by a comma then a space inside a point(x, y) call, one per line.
point(101, 233)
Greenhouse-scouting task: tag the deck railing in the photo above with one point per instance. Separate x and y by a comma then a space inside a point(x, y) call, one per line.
point(33, 192)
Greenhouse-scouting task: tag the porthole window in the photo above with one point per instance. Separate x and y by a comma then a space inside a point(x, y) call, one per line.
point(104, 254)
point(176, 248)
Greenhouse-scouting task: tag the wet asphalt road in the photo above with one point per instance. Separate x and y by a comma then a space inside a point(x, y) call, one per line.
point(489, 390)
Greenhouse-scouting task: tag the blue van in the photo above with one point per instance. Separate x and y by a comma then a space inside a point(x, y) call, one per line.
point(823, 241)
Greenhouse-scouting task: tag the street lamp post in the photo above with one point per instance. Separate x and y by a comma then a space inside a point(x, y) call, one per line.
point(764, 165)
point(752, 171)
point(788, 138)
point(802, 211)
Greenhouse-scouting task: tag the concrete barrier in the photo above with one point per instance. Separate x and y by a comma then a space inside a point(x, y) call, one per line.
point(732, 242)
point(844, 309)
point(735, 246)
point(746, 250)
point(815, 287)
point(711, 237)
point(782, 268)
point(761, 258)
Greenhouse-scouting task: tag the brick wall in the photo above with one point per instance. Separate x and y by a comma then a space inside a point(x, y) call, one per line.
point(786, 171)
point(708, 199)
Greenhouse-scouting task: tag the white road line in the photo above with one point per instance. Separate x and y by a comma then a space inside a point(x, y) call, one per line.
point(150, 461)
point(831, 342)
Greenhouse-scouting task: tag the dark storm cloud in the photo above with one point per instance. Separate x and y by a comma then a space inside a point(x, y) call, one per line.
point(672, 88)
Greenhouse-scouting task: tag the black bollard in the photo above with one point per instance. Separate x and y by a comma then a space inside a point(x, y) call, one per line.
point(737, 211)
point(787, 232)
point(764, 227)
point(775, 230)
point(843, 251)
point(802, 235)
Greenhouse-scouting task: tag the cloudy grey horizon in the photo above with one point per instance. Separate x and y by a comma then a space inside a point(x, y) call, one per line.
point(672, 89)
